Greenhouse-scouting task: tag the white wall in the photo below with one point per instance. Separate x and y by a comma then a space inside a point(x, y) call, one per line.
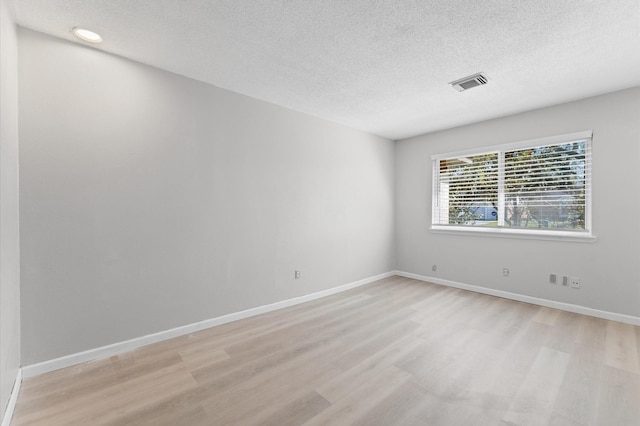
point(9, 235)
point(150, 201)
point(608, 268)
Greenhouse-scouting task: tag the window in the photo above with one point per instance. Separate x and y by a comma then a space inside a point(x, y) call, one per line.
point(539, 187)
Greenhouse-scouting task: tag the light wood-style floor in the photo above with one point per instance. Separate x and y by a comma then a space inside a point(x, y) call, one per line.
point(396, 352)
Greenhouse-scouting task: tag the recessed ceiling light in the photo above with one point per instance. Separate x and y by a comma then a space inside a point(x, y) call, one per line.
point(87, 35)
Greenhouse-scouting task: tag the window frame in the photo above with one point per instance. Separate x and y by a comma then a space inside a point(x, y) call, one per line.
point(585, 235)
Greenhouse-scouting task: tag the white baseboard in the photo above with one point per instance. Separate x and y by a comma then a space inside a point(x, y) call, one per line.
point(628, 319)
point(120, 347)
point(13, 398)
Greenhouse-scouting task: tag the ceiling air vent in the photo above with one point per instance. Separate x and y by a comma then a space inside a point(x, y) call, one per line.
point(466, 83)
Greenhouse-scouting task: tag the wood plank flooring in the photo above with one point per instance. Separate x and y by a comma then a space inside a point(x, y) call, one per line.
point(396, 352)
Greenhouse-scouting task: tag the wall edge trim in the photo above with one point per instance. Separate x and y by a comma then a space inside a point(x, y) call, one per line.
point(137, 342)
point(13, 399)
point(578, 309)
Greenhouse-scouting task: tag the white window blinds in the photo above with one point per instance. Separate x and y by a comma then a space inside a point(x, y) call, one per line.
point(541, 185)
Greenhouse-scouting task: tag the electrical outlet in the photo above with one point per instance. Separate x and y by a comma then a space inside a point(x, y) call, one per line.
point(575, 282)
point(565, 281)
point(434, 268)
point(296, 274)
point(553, 279)
point(505, 272)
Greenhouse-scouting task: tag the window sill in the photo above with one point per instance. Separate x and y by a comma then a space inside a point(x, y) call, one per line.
point(515, 233)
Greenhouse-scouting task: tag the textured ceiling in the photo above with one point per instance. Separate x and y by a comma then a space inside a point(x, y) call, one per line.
point(378, 66)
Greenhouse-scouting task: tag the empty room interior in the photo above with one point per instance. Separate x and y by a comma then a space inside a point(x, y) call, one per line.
point(288, 212)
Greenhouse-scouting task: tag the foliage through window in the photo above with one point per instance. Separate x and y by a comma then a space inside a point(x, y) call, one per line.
point(542, 185)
